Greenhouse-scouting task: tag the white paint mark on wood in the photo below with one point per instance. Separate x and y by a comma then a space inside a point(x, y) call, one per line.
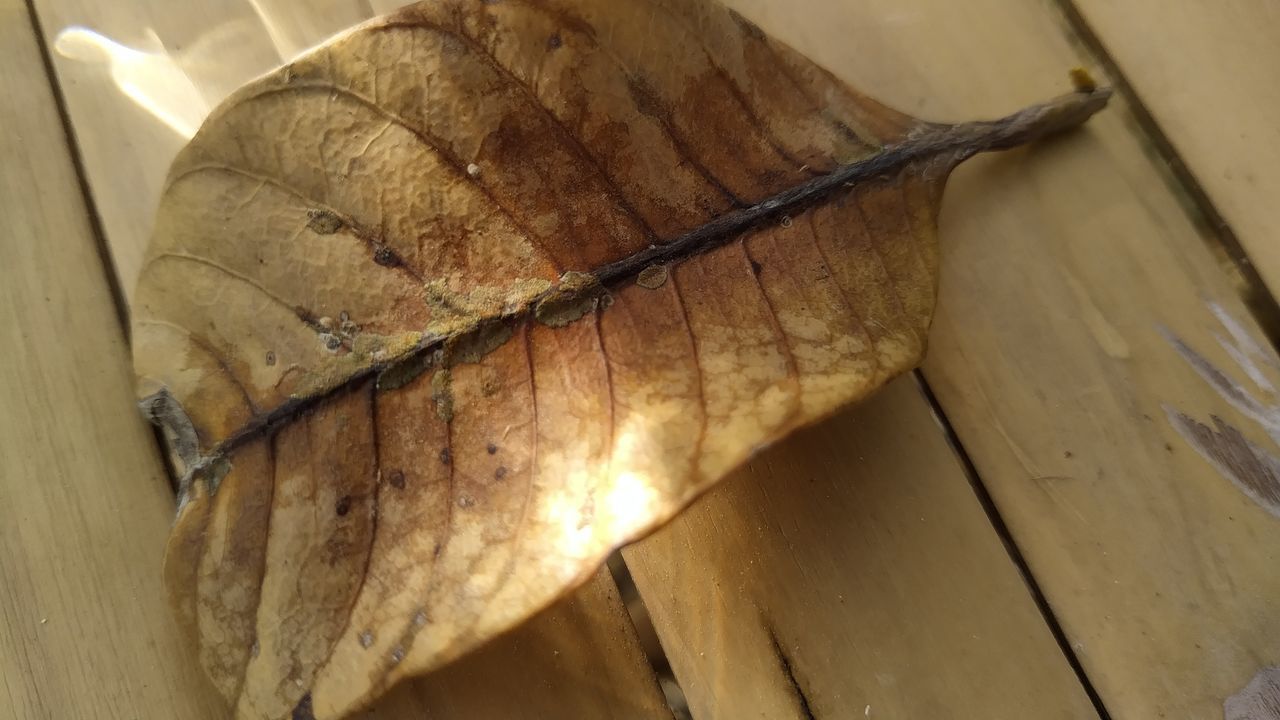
point(1253, 469)
point(1259, 700)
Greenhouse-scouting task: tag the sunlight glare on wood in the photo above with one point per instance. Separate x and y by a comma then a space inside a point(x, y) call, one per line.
point(151, 78)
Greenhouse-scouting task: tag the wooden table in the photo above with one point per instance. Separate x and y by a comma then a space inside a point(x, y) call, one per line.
point(1072, 511)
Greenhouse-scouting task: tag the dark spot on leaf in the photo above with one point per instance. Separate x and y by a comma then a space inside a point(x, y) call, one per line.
point(1168, 447)
point(645, 99)
point(446, 456)
point(554, 42)
point(435, 551)
point(386, 257)
point(492, 449)
point(344, 506)
point(271, 358)
point(756, 267)
point(323, 222)
point(500, 473)
point(303, 709)
point(396, 479)
point(1068, 454)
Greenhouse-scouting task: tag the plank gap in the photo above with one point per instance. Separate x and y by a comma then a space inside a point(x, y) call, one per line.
point(1215, 230)
point(1010, 546)
point(648, 634)
point(82, 177)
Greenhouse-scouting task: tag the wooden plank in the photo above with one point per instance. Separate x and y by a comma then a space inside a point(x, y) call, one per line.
point(1060, 266)
point(851, 572)
point(1207, 73)
point(84, 502)
point(581, 658)
point(577, 660)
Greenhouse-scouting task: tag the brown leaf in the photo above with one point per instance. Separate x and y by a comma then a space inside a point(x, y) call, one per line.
point(445, 311)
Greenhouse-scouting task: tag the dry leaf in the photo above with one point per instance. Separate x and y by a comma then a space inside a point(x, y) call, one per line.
point(443, 312)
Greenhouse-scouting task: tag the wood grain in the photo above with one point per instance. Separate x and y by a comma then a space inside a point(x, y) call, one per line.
point(1206, 73)
point(851, 567)
point(84, 501)
point(1060, 266)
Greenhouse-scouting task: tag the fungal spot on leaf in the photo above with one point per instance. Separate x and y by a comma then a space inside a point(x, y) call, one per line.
point(466, 501)
point(344, 506)
point(271, 358)
point(366, 639)
point(756, 267)
point(652, 277)
point(405, 372)
point(446, 456)
point(554, 42)
point(420, 618)
point(323, 222)
point(500, 473)
point(576, 295)
point(491, 449)
point(442, 393)
point(397, 655)
point(396, 479)
point(473, 346)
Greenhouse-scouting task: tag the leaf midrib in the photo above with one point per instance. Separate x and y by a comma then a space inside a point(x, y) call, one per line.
point(948, 145)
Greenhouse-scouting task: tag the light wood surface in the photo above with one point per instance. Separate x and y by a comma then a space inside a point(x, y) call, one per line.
point(579, 659)
point(1206, 71)
point(849, 568)
point(84, 502)
point(1060, 267)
